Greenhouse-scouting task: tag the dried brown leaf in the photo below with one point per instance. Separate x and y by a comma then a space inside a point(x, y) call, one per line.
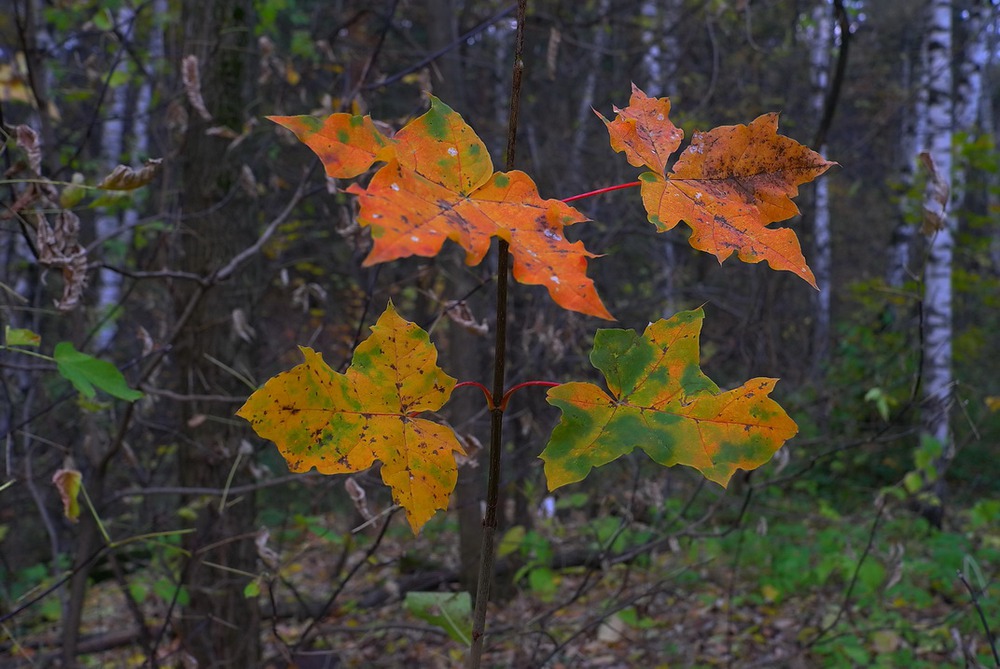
point(358, 496)
point(192, 86)
point(124, 177)
point(266, 554)
point(936, 201)
point(242, 327)
point(27, 141)
point(58, 248)
point(68, 482)
point(460, 314)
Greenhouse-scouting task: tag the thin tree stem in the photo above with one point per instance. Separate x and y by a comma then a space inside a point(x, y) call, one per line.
point(487, 553)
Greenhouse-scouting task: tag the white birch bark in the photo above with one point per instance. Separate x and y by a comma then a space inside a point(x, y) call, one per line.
point(969, 87)
point(821, 43)
point(113, 148)
point(937, 305)
point(109, 283)
point(661, 48)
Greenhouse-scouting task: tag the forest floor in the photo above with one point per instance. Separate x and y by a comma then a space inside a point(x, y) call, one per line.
point(873, 589)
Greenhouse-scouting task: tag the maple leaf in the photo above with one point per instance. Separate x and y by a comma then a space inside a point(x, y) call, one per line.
point(728, 185)
point(341, 423)
point(346, 144)
point(643, 132)
point(438, 183)
point(661, 402)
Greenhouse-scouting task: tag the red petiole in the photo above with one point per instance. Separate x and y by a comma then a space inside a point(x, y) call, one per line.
point(601, 191)
point(506, 396)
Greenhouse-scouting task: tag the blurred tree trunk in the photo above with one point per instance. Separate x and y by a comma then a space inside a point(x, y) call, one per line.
point(937, 324)
point(821, 45)
point(661, 60)
point(466, 355)
point(218, 218)
point(584, 112)
point(129, 111)
point(912, 139)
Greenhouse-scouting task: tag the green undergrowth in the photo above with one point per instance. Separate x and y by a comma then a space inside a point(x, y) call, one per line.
point(793, 578)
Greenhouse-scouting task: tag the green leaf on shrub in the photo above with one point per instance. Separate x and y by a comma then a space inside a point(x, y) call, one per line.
point(511, 541)
point(451, 611)
point(252, 589)
point(20, 337)
point(85, 371)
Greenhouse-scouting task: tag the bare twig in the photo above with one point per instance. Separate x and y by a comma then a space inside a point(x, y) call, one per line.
point(982, 617)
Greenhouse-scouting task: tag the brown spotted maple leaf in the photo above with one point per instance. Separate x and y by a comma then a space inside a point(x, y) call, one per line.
point(729, 185)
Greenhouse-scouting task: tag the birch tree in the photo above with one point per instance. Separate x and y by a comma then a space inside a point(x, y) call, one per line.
point(820, 39)
point(108, 222)
point(937, 305)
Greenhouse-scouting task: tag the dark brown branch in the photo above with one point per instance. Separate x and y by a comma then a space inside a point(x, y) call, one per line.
point(833, 95)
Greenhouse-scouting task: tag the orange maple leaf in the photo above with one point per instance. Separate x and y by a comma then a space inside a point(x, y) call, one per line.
point(644, 132)
point(438, 183)
point(728, 185)
point(341, 423)
point(346, 144)
point(659, 400)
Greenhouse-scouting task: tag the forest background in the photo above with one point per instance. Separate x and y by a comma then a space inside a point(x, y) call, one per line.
point(867, 541)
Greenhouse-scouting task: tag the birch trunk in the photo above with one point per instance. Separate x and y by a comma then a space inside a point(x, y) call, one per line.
point(109, 283)
point(821, 43)
point(962, 109)
point(937, 305)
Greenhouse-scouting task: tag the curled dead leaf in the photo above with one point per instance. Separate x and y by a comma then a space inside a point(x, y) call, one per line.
point(266, 554)
point(248, 182)
point(146, 339)
point(472, 449)
point(306, 294)
point(27, 141)
point(242, 327)
point(222, 131)
point(460, 314)
point(68, 482)
point(358, 496)
point(176, 118)
point(58, 248)
point(936, 200)
point(124, 177)
point(192, 86)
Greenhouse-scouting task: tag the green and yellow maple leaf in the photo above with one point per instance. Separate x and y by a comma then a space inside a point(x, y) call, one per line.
point(729, 185)
point(660, 401)
point(341, 423)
